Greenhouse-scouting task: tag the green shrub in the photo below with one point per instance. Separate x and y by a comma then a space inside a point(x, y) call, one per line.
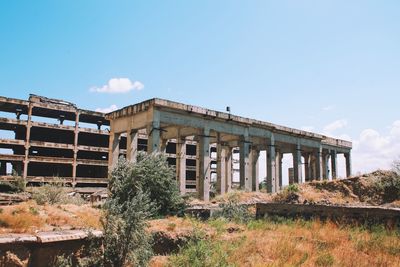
point(233, 211)
point(288, 195)
point(292, 188)
point(17, 185)
point(203, 252)
point(153, 174)
point(54, 192)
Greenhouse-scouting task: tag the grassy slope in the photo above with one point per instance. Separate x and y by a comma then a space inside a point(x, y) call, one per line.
point(289, 243)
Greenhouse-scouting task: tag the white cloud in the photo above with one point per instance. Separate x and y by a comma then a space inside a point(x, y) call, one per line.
point(328, 108)
point(374, 150)
point(336, 125)
point(118, 85)
point(107, 110)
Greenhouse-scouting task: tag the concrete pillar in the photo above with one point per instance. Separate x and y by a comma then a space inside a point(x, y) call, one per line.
point(297, 165)
point(221, 169)
point(163, 145)
point(113, 153)
point(271, 167)
point(306, 167)
point(76, 138)
point(17, 168)
point(154, 134)
point(348, 163)
point(204, 166)
point(326, 166)
point(278, 166)
point(132, 137)
point(3, 168)
point(334, 164)
point(318, 164)
point(228, 166)
point(255, 166)
point(27, 141)
point(245, 164)
point(181, 163)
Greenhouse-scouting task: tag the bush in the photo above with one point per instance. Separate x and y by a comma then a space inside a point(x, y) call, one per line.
point(288, 194)
point(233, 211)
point(153, 174)
point(203, 252)
point(16, 186)
point(54, 192)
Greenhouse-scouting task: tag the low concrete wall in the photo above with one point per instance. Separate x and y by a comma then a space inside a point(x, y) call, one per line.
point(42, 248)
point(391, 217)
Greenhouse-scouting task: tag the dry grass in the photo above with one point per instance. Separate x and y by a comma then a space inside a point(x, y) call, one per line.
point(29, 217)
point(302, 243)
point(316, 244)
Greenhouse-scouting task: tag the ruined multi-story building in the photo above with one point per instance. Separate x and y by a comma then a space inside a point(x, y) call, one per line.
point(43, 138)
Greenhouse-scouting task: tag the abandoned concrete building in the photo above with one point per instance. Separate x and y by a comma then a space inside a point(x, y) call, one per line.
point(42, 138)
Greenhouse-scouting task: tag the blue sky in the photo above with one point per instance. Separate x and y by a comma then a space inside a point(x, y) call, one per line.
point(328, 66)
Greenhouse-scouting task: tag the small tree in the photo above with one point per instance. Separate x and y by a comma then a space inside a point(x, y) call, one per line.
point(157, 178)
point(124, 222)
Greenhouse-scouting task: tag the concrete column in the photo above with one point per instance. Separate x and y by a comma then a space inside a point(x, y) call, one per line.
point(318, 164)
point(348, 163)
point(228, 166)
point(76, 138)
point(326, 166)
point(221, 169)
point(306, 167)
point(163, 145)
point(154, 134)
point(297, 165)
point(181, 163)
point(132, 137)
point(113, 153)
point(27, 141)
point(17, 168)
point(204, 166)
point(278, 172)
point(271, 167)
point(255, 166)
point(245, 164)
point(334, 164)
point(3, 168)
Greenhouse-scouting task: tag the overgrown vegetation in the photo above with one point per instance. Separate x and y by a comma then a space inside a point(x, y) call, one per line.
point(202, 252)
point(278, 241)
point(153, 174)
point(17, 185)
point(232, 210)
point(138, 192)
point(55, 192)
point(289, 194)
